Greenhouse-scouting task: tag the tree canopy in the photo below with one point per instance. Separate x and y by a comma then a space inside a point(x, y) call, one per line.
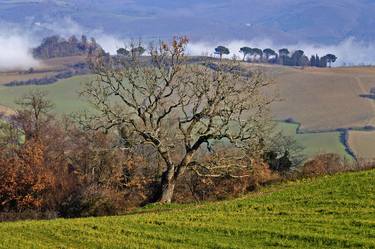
point(221, 50)
point(331, 58)
point(246, 51)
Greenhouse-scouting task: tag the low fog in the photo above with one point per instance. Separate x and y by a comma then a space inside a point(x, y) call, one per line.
point(16, 45)
point(349, 51)
point(15, 52)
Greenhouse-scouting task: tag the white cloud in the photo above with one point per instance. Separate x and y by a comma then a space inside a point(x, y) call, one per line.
point(110, 43)
point(15, 50)
point(349, 52)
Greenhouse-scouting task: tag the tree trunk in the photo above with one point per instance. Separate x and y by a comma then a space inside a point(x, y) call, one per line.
point(170, 176)
point(168, 182)
point(167, 193)
point(167, 189)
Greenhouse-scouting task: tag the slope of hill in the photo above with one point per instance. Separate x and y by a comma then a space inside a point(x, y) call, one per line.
point(286, 21)
point(326, 99)
point(319, 99)
point(329, 212)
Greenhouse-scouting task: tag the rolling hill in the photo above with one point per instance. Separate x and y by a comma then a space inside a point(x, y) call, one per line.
point(329, 212)
point(323, 101)
point(65, 96)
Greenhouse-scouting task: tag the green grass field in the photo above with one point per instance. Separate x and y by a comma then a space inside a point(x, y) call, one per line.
point(64, 94)
point(328, 212)
point(315, 143)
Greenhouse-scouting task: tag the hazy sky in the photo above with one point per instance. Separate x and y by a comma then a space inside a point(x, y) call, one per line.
point(342, 27)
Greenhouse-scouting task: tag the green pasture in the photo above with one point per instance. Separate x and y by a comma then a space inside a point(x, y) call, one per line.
point(328, 212)
point(315, 143)
point(64, 94)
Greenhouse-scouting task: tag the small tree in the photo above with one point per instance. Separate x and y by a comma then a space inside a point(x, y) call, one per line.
point(221, 50)
point(268, 53)
point(313, 61)
point(33, 113)
point(245, 51)
point(123, 52)
point(331, 58)
point(297, 58)
point(258, 52)
point(323, 61)
point(283, 52)
point(138, 51)
point(177, 108)
point(317, 60)
point(283, 55)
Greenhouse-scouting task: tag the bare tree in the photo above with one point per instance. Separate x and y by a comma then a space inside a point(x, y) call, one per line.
point(179, 109)
point(34, 112)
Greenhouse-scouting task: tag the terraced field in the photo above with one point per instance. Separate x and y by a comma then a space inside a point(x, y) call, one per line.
point(329, 212)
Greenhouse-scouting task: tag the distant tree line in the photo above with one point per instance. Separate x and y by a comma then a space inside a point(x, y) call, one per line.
point(56, 46)
point(76, 69)
point(281, 57)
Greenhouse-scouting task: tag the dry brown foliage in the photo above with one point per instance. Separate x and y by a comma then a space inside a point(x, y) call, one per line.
point(324, 164)
point(25, 180)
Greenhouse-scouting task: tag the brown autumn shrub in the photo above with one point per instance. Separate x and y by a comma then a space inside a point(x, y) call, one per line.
point(92, 200)
point(34, 171)
point(261, 174)
point(363, 164)
point(111, 178)
point(25, 180)
point(197, 188)
point(324, 164)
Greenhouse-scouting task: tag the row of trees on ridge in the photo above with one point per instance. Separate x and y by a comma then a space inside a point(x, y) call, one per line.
point(281, 57)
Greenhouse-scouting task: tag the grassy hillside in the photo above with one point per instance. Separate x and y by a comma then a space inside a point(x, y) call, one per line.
point(64, 94)
point(363, 143)
point(329, 212)
point(315, 143)
point(325, 99)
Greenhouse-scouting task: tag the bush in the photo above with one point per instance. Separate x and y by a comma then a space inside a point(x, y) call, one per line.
point(197, 188)
point(324, 164)
point(93, 201)
point(25, 181)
